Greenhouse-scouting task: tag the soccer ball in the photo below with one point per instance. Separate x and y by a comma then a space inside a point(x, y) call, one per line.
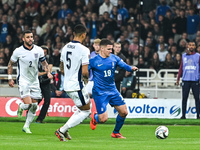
point(162, 132)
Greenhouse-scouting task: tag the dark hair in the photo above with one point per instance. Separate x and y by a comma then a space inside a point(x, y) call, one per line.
point(27, 31)
point(105, 42)
point(193, 42)
point(79, 29)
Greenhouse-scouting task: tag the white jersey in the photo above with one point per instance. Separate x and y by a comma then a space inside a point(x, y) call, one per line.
point(28, 63)
point(73, 56)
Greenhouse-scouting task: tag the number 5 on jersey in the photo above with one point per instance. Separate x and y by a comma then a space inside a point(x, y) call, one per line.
point(68, 60)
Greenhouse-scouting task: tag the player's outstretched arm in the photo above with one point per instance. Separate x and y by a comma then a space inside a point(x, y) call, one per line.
point(10, 70)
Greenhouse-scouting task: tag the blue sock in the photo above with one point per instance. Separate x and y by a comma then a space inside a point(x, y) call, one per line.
point(96, 117)
point(119, 123)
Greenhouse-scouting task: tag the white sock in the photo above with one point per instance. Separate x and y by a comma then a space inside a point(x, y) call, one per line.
point(31, 114)
point(24, 106)
point(75, 119)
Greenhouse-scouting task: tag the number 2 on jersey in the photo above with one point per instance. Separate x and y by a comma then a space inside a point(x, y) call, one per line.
point(30, 63)
point(68, 60)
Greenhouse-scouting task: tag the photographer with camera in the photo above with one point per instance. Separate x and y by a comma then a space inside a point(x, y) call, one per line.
point(44, 85)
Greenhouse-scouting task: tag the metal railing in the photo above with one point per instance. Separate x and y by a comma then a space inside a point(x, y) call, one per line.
point(153, 81)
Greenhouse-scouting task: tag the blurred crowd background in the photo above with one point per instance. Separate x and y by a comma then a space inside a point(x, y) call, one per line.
point(153, 34)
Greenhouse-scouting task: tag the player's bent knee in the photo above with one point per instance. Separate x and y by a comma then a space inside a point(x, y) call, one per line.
point(123, 114)
point(103, 120)
point(86, 107)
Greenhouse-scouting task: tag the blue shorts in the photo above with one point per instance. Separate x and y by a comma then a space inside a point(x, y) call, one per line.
point(114, 98)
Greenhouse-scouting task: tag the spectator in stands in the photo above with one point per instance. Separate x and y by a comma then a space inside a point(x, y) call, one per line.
point(123, 12)
point(128, 83)
point(135, 57)
point(163, 26)
point(5, 29)
point(57, 89)
point(177, 61)
point(142, 64)
point(192, 24)
point(9, 43)
point(198, 49)
point(125, 50)
point(150, 44)
point(130, 32)
point(7, 55)
point(36, 27)
point(183, 36)
point(33, 3)
point(155, 62)
point(47, 34)
point(64, 11)
point(147, 55)
point(6, 8)
point(54, 12)
point(173, 51)
point(56, 57)
point(157, 31)
point(105, 7)
point(170, 43)
point(145, 28)
point(134, 45)
point(162, 9)
point(34, 15)
point(44, 15)
point(169, 63)
point(162, 54)
point(108, 25)
point(93, 26)
point(182, 4)
point(189, 70)
point(180, 25)
point(119, 73)
point(182, 46)
point(161, 40)
point(169, 21)
point(116, 16)
point(48, 22)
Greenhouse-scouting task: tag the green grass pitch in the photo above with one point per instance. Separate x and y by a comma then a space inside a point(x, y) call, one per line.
point(139, 137)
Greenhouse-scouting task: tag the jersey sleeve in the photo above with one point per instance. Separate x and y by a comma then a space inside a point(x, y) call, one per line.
point(14, 56)
point(122, 64)
point(85, 56)
point(42, 57)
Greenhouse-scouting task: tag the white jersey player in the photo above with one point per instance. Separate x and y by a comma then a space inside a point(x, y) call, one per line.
point(27, 57)
point(74, 65)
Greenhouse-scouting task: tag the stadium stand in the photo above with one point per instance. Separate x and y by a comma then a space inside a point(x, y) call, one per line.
point(52, 21)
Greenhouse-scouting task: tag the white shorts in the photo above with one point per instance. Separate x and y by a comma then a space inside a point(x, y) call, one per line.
point(80, 98)
point(30, 89)
point(89, 86)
